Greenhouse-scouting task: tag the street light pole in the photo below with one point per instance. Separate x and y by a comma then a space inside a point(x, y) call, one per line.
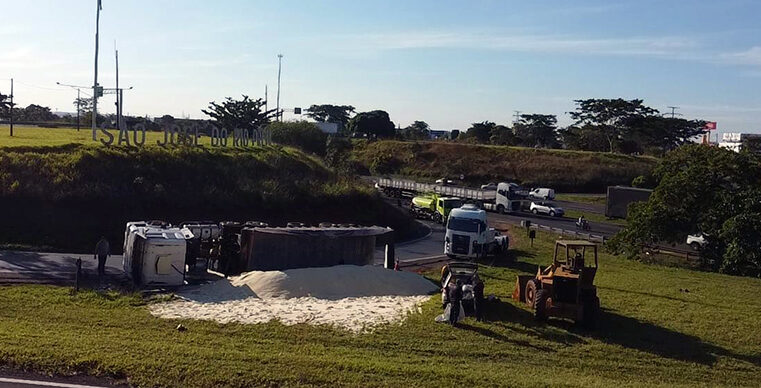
point(279, 66)
point(95, 84)
point(11, 109)
point(79, 100)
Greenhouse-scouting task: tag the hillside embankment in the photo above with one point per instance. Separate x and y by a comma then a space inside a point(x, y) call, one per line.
point(563, 170)
point(65, 197)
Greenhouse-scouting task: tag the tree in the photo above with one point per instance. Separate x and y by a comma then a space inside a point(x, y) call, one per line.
point(36, 113)
point(705, 190)
point(84, 104)
point(239, 114)
point(480, 132)
point(5, 105)
point(300, 134)
point(502, 135)
point(537, 130)
point(330, 113)
point(454, 134)
point(611, 117)
point(373, 124)
point(585, 138)
point(664, 133)
point(418, 130)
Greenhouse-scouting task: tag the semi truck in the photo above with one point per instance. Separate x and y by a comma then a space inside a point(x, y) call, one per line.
point(469, 237)
point(507, 198)
point(434, 207)
point(620, 197)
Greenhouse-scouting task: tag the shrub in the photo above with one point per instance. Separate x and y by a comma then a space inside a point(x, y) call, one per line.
point(300, 134)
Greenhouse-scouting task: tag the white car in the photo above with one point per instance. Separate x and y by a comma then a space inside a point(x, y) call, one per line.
point(546, 208)
point(696, 241)
point(542, 193)
point(489, 186)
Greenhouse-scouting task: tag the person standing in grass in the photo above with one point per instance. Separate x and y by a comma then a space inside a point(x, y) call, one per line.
point(455, 298)
point(102, 251)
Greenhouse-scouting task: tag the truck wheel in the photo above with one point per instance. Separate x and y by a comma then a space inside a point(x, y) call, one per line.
point(500, 209)
point(535, 211)
point(531, 288)
point(552, 213)
point(540, 305)
point(695, 246)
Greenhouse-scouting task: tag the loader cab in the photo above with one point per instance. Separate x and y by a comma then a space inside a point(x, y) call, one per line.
point(575, 256)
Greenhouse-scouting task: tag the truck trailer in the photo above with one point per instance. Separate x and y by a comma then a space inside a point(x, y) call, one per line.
point(620, 197)
point(507, 198)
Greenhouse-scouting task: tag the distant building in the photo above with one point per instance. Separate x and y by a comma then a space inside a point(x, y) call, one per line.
point(64, 114)
point(329, 128)
point(438, 134)
point(738, 141)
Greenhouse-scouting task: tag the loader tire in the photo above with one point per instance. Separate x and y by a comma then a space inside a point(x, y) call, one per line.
point(540, 305)
point(531, 288)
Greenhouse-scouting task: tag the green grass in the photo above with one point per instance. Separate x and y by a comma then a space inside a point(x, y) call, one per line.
point(61, 190)
point(562, 170)
point(594, 217)
point(596, 199)
point(651, 333)
point(31, 136)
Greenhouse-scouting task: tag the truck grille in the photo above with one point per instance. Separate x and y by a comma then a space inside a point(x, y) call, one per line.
point(460, 244)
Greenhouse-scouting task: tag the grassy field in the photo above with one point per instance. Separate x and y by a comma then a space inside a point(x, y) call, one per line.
point(594, 217)
point(563, 170)
point(30, 136)
point(61, 191)
point(660, 327)
point(596, 199)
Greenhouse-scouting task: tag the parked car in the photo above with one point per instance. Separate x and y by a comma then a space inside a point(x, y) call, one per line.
point(489, 186)
point(542, 193)
point(546, 208)
point(696, 241)
point(444, 182)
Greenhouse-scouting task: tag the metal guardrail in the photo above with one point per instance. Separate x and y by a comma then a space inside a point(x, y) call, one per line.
point(565, 232)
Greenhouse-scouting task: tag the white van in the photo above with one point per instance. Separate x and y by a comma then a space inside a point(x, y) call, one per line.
point(542, 193)
point(155, 255)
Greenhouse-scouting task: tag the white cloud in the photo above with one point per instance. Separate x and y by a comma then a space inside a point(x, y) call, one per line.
point(751, 56)
point(666, 46)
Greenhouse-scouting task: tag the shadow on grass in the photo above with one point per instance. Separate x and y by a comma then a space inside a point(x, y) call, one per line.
point(613, 328)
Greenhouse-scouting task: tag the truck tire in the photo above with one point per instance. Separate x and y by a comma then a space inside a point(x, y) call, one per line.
point(530, 293)
point(695, 246)
point(540, 305)
point(552, 213)
point(535, 211)
point(501, 209)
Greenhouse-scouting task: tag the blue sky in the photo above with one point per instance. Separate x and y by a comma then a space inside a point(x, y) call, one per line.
point(449, 63)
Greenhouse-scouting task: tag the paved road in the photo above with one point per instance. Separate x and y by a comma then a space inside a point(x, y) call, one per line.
point(40, 267)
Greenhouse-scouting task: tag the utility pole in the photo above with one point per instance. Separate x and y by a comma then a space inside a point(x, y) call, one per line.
point(79, 99)
point(11, 108)
point(118, 100)
point(95, 83)
point(516, 116)
point(673, 111)
point(265, 97)
point(279, 66)
point(78, 109)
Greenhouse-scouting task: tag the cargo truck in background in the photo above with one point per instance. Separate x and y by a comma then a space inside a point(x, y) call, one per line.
point(433, 207)
point(469, 237)
point(620, 197)
point(507, 198)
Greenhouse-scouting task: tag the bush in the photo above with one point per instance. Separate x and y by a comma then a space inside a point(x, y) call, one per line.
point(300, 134)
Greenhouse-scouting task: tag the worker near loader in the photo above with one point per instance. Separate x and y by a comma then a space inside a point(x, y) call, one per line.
point(102, 251)
point(455, 298)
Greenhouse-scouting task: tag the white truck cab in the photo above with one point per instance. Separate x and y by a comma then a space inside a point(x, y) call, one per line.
point(468, 236)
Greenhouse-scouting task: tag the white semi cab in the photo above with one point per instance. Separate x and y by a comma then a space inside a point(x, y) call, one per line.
point(468, 236)
point(154, 255)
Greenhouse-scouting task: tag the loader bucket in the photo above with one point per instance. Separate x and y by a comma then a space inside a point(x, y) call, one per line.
point(519, 293)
